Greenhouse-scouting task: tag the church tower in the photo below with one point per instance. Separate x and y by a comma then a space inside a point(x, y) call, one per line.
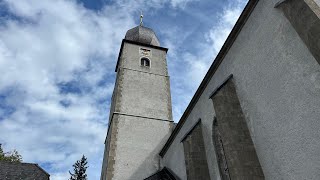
point(141, 114)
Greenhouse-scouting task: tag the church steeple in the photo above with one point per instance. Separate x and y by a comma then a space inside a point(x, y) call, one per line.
point(141, 113)
point(142, 34)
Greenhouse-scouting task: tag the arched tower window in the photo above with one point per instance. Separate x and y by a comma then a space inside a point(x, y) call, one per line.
point(145, 62)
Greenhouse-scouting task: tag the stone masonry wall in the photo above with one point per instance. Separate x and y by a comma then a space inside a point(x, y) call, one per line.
point(195, 155)
point(307, 24)
point(241, 158)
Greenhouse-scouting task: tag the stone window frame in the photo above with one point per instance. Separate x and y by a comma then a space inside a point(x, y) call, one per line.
point(145, 62)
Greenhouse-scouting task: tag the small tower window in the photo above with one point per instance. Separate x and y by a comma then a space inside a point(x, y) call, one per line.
point(145, 62)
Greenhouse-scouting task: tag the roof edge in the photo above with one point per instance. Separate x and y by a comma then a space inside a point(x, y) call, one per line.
point(136, 43)
point(214, 66)
point(25, 163)
point(42, 169)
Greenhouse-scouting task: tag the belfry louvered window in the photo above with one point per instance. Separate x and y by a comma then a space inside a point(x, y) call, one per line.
point(145, 62)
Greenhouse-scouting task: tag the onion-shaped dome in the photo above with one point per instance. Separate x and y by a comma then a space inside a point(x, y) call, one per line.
point(143, 35)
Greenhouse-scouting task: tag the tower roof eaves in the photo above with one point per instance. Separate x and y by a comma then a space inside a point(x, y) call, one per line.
point(137, 43)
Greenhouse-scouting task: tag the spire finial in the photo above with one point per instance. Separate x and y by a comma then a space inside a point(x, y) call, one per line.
point(141, 17)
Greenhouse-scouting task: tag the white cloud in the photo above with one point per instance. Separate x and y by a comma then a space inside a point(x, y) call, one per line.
point(197, 63)
point(59, 176)
point(58, 42)
point(200, 63)
point(220, 32)
point(52, 43)
point(180, 3)
point(146, 5)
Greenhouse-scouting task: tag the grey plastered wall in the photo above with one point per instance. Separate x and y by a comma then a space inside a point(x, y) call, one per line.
point(111, 137)
point(130, 58)
point(140, 115)
point(150, 97)
point(145, 91)
point(138, 142)
point(103, 175)
point(278, 84)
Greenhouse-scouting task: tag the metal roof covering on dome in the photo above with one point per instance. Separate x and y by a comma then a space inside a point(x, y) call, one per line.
point(143, 35)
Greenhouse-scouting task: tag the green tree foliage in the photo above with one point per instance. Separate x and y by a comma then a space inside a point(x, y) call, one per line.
point(11, 156)
point(79, 169)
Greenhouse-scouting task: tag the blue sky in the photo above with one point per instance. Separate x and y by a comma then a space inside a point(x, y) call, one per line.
point(57, 61)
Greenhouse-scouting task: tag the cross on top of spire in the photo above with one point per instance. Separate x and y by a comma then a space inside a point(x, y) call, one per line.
point(141, 18)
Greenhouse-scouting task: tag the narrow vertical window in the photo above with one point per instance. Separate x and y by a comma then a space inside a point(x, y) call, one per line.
point(145, 62)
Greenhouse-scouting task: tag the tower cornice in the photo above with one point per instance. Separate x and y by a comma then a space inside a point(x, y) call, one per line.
point(137, 43)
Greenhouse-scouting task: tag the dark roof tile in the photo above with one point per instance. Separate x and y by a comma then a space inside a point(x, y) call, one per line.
point(22, 171)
